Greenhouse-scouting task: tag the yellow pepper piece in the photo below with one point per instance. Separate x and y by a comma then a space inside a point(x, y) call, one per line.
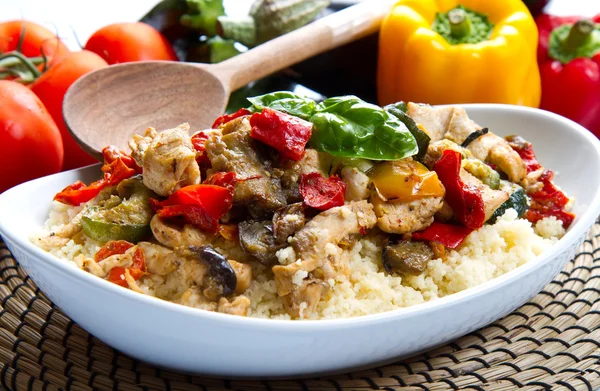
point(419, 65)
point(405, 181)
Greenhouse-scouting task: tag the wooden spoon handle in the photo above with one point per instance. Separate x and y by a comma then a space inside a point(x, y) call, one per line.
point(325, 34)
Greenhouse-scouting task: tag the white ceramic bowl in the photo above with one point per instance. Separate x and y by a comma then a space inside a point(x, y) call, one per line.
point(204, 342)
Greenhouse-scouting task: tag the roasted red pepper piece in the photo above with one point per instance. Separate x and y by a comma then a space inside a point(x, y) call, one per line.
point(199, 143)
point(229, 117)
point(549, 200)
point(138, 266)
point(569, 59)
point(199, 205)
point(284, 132)
point(465, 200)
point(117, 166)
point(111, 248)
point(223, 179)
point(449, 235)
point(322, 193)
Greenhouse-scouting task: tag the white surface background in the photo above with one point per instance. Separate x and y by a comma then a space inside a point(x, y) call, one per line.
point(86, 16)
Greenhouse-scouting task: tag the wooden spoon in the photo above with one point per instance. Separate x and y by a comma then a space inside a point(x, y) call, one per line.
point(109, 105)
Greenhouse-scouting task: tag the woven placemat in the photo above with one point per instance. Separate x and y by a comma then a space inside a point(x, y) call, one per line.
point(552, 342)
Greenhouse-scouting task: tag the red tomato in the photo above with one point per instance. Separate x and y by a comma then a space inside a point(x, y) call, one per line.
point(30, 143)
point(37, 39)
point(111, 248)
point(51, 88)
point(127, 42)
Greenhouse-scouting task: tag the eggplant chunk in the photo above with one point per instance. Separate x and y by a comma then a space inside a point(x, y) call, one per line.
point(221, 272)
point(287, 221)
point(406, 257)
point(256, 238)
point(234, 150)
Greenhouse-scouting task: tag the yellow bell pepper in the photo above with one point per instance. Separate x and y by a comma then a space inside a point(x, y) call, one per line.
point(492, 57)
point(405, 181)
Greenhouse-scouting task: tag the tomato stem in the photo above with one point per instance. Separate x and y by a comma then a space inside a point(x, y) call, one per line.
point(579, 34)
point(14, 59)
point(11, 61)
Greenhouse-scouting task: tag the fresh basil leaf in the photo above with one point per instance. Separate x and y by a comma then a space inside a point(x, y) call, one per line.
point(286, 102)
point(398, 110)
point(350, 127)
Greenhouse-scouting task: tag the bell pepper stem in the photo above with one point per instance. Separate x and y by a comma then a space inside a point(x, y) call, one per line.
point(460, 23)
point(579, 34)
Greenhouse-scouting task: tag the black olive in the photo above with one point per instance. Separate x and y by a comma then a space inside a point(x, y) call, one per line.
point(220, 268)
point(406, 257)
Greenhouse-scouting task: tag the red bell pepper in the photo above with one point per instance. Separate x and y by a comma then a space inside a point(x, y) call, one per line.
point(117, 166)
point(199, 205)
point(322, 193)
point(549, 200)
point(284, 132)
point(465, 200)
point(569, 59)
point(199, 143)
point(449, 235)
point(230, 117)
point(223, 179)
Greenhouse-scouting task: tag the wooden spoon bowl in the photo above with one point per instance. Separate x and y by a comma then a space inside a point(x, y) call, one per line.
point(109, 105)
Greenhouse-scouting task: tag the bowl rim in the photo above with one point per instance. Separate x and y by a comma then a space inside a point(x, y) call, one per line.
point(575, 232)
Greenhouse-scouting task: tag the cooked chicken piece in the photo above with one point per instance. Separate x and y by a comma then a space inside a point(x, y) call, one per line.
point(317, 243)
point(237, 306)
point(488, 148)
point(305, 299)
point(124, 260)
point(332, 226)
point(193, 272)
point(160, 260)
point(436, 150)
point(168, 159)
point(357, 184)
point(243, 274)
point(175, 236)
point(405, 217)
point(193, 297)
point(48, 243)
point(234, 150)
point(89, 265)
point(312, 161)
point(133, 285)
point(434, 119)
point(61, 236)
point(492, 199)
point(287, 221)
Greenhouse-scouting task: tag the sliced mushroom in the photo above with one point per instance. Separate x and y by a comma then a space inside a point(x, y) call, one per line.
point(221, 272)
point(287, 221)
point(406, 257)
point(256, 238)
